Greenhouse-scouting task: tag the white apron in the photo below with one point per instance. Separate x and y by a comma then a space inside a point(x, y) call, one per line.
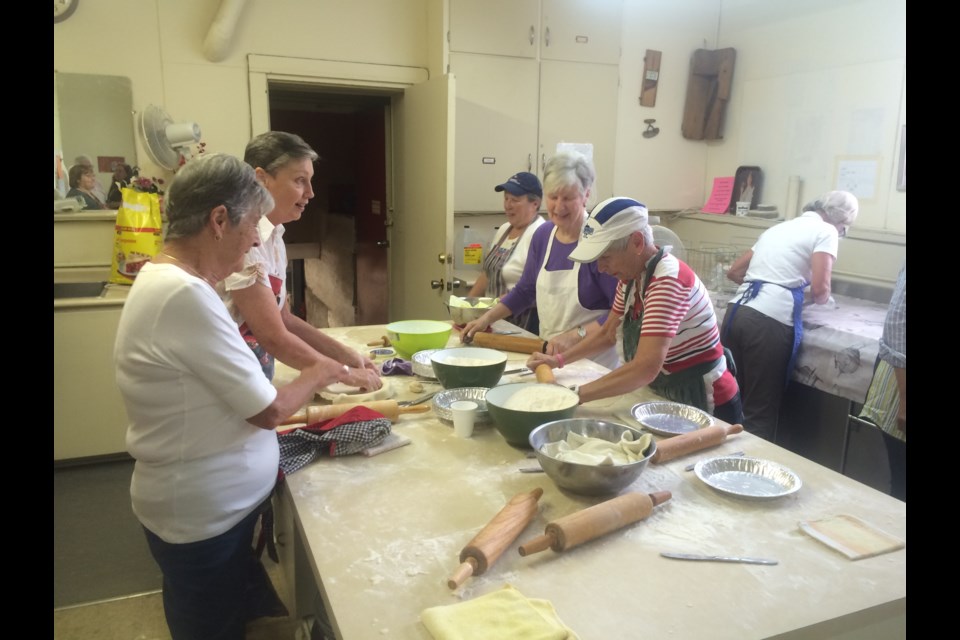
point(558, 304)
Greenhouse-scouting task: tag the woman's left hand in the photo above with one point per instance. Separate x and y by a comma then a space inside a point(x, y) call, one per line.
point(563, 342)
point(363, 378)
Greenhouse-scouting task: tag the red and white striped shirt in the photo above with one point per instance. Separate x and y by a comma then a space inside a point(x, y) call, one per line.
point(677, 306)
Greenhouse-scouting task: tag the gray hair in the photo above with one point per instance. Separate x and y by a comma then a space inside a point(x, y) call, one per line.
point(836, 207)
point(206, 182)
point(273, 150)
point(622, 243)
point(566, 169)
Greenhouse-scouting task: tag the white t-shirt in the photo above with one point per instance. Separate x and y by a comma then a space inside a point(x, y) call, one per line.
point(189, 382)
point(269, 260)
point(782, 255)
point(513, 268)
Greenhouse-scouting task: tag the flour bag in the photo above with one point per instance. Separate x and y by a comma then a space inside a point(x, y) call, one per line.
point(138, 235)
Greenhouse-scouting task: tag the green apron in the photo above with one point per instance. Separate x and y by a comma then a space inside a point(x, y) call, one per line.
point(684, 386)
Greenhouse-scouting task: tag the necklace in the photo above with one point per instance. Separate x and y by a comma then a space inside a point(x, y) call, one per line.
point(188, 268)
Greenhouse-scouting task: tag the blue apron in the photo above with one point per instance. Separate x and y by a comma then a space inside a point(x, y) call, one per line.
point(797, 292)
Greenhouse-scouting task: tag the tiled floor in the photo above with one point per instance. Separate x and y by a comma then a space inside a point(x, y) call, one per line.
point(140, 617)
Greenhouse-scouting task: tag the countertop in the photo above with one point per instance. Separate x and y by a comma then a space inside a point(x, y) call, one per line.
point(383, 535)
point(839, 347)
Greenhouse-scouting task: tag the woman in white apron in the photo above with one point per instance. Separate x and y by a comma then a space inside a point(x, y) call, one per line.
point(572, 299)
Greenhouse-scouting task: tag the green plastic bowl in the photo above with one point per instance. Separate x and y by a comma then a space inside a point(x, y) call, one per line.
point(410, 336)
point(515, 425)
point(468, 367)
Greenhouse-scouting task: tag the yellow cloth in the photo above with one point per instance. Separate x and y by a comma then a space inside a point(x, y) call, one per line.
point(505, 613)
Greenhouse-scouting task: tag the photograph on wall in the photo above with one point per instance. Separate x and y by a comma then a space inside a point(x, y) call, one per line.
point(747, 184)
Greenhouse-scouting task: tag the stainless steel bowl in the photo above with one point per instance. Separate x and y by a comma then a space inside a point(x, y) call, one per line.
point(463, 315)
point(585, 479)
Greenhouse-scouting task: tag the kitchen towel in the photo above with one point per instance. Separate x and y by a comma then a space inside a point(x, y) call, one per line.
point(505, 613)
point(356, 430)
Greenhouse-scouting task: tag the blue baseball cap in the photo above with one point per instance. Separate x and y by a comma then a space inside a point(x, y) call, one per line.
point(521, 184)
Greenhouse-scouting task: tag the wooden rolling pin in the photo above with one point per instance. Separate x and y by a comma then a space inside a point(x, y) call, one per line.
point(545, 374)
point(670, 448)
point(319, 412)
point(593, 522)
point(516, 344)
point(493, 539)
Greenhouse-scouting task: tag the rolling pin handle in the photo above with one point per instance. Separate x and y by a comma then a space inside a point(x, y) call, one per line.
point(464, 571)
point(734, 428)
point(536, 545)
point(659, 497)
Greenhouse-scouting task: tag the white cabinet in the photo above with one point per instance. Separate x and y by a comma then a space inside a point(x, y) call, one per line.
point(573, 30)
point(515, 100)
point(496, 126)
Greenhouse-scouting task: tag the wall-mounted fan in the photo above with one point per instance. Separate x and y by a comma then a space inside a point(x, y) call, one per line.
point(163, 138)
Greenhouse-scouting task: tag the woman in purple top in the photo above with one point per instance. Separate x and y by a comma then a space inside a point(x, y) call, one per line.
point(572, 299)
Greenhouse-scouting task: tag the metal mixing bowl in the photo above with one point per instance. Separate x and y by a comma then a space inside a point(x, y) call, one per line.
point(586, 479)
point(463, 315)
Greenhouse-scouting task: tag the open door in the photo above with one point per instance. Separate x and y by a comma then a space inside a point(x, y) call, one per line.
point(421, 230)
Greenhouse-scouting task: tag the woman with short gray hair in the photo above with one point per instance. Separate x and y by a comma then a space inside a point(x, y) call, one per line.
point(201, 413)
point(572, 300)
point(763, 326)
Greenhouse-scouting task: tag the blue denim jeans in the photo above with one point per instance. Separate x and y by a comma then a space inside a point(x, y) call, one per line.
point(213, 587)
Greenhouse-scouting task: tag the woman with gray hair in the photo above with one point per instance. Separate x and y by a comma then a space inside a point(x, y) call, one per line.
point(201, 413)
point(572, 299)
point(762, 326)
point(256, 294)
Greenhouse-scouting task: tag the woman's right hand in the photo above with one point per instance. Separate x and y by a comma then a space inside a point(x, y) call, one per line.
point(537, 359)
point(480, 324)
point(362, 378)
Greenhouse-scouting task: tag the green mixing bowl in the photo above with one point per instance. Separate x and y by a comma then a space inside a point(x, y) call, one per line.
point(514, 424)
point(410, 336)
point(468, 367)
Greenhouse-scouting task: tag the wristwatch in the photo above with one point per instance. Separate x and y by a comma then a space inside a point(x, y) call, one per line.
point(581, 331)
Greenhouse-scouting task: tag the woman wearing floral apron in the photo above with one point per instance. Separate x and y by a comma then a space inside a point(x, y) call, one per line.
point(572, 300)
point(504, 262)
point(662, 320)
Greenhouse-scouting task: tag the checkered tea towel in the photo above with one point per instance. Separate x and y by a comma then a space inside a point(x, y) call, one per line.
point(352, 432)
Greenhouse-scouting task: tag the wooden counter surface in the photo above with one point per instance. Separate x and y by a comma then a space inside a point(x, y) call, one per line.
point(382, 535)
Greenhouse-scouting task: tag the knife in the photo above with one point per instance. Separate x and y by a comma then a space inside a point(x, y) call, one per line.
point(694, 556)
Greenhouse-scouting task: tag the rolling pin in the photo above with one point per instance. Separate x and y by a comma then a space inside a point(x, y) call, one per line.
point(545, 374)
point(384, 341)
point(516, 344)
point(493, 539)
point(681, 445)
point(593, 522)
point(319, 412)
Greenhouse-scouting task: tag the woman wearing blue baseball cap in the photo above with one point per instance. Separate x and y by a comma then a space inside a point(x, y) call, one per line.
point(572, 300)
point(504, 262)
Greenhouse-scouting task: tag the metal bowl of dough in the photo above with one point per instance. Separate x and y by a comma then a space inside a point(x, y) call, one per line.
point(470, 309)
point(443, 400)
point(421, 364)
point(589, 479)
point(752, 478)
point(670, 418)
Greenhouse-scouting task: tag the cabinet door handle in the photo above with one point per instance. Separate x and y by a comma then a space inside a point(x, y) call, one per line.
point(437, 284)
point(533, 35)
point(546, 36)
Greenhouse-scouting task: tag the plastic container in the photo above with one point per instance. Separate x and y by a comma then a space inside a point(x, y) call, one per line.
point(468, 253)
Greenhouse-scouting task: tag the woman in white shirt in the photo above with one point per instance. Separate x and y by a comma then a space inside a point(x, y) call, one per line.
point(504, 262)
point(201, 413)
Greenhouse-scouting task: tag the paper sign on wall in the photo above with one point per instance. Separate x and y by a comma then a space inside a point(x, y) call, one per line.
point(720, 196)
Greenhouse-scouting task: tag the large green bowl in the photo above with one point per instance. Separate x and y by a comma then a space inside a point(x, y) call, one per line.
point(515, 425)
point(468, 367)
point(410, 336)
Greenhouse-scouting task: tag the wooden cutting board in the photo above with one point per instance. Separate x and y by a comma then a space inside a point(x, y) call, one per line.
point(851, 536)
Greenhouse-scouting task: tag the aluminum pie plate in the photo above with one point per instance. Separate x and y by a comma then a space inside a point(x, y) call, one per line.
point(443, 400)
point(753, 478)
point(421, 364)
point(670, 418)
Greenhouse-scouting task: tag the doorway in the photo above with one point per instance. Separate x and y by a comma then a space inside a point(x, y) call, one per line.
point(348, 283)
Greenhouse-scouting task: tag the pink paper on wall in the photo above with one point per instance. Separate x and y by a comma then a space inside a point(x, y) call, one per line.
point(719, 200)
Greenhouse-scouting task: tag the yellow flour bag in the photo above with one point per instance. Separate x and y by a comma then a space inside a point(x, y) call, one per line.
point(138, 234)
